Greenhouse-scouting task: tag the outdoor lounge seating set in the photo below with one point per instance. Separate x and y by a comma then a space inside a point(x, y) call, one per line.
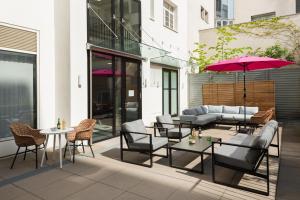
point(207, 114)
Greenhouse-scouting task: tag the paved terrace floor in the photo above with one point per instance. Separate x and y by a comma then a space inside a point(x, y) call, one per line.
point(105, 177)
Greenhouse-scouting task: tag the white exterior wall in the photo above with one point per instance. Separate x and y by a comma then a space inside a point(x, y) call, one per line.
point(38, 16)
point(172, 41)
point(243, 10)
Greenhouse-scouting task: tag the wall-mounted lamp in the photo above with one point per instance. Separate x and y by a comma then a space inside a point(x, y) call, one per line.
point(79, 81)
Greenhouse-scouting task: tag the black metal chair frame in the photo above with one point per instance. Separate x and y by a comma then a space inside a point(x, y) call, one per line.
point(264, 153)
point(35, 150)
point(74, 145)
point(150, 151)
point(180, 125)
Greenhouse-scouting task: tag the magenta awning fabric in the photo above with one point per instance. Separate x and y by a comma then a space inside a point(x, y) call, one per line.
point(247, 63)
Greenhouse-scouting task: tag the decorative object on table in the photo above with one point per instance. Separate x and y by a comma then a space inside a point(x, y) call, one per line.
point(26, 136)
point(63, 124)
point(58, 124)
point(83, 132)
point(247, 63)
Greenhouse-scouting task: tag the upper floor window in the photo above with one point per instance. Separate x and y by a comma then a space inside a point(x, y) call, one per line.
point(224, 9)
point(204, 14)
point(152, 9)
point(263, 16)
point(297, 6)
point(169, 16)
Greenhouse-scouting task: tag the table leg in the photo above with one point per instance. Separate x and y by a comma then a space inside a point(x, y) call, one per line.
point(44, 152)
point(170, 157)
point(54, 141)
point(202, 164)
point(60, 151)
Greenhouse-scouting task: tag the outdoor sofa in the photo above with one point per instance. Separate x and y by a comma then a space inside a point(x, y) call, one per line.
point(244, 153)
point(207, 114)
point(138, 140)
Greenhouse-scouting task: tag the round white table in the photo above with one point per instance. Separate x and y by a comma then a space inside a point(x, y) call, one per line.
point(54, 132)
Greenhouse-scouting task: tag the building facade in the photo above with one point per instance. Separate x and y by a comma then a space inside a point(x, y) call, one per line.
point(111, 60)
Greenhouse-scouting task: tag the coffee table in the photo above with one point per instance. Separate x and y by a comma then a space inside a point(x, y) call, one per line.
point(201, 145)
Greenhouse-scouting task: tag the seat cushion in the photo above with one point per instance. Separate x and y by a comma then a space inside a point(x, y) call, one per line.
point(215, 109)
point(205, 119)
point(191, 111)
point(134, 126)
point(239, 156)
point(165, 119)
point(174, 133)
point(144, 143)
point(188, 118)
point(237, 117)
point(231, 109)
point(249, 110)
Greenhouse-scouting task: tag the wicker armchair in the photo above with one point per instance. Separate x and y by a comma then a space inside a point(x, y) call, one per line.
point(25, 136)
point(83, 132)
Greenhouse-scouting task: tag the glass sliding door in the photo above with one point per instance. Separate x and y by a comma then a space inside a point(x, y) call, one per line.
point(115, 93)
point(132, 91)
point(170, 92)
point(18, 96)
point(102, 95)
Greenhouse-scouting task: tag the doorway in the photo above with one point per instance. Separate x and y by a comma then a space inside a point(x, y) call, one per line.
point(170, 92)
point(114, 93)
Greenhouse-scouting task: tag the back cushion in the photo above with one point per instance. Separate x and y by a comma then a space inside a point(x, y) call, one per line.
point(215, 109)
point(205, 109)
point(134, 126)
point(165, 119)
point(231, 109)
point(191, 111)
point(249, 110)
point(267, 135)
point(200, 111)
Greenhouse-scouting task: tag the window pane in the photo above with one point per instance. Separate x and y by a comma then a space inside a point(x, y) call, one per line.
point(173, 102)
point(166, 102)
point(166, 80)
point(152, 8)
point(17, 90)
point(173, 80)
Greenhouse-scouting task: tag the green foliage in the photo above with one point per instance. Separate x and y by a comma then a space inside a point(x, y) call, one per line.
point(286, 34)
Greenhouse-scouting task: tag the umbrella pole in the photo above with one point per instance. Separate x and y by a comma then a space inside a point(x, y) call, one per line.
point(244, 74)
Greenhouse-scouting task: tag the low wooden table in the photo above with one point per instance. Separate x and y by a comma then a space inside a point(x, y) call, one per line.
point(201, 145)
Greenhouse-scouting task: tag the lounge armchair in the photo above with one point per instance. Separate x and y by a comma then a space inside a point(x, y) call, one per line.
point(25, 136)
point(167, 128)
point(138, 140)
point(83, 132)
point(244, 153)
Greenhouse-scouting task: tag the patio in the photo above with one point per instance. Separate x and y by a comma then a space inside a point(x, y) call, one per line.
point(106, 177)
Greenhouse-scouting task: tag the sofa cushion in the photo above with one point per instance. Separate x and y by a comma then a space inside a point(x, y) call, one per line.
point(188, 118)
point(239, 156)
point(191, 111)
point(134, 126)
point(249, 110)
point(144, 143)
point(165, 119)
point(215, 109)
point(267, 133)
point(231, 109)
point(200, 111)
point(205, 108)
point(205, 119)
point(174, 132)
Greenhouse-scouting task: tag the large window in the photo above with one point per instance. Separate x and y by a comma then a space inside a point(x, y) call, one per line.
point(224, 12)
point(297, 6)
point(170, 92)
point(169, 16)
point(17, 90)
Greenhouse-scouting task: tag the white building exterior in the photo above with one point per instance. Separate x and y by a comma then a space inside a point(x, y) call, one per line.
point(62, 58)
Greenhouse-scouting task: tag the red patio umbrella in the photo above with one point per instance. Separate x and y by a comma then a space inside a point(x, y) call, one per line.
point(247, 63)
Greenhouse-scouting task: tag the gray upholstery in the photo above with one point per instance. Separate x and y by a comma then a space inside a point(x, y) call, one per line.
point(188, 118)
point(238, 117)
point(267, 132)
point(191, 111)
point(144, 143)
point(134, 126)
point(174, 132)
point(205, 108)
point(165, 119)
point(205, 119)
point(249, 110)
point(200, 111)
point(239, 156)
point(215, 109)
point(231, 109)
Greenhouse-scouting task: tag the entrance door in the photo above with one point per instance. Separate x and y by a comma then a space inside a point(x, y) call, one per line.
point(170, 92)
point(115, 93)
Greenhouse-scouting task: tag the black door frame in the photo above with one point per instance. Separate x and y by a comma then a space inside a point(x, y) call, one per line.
point(123, 87)
point(170, 89)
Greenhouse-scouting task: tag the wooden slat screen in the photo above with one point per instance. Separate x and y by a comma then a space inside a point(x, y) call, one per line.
point(18, 39)
point(259, 93)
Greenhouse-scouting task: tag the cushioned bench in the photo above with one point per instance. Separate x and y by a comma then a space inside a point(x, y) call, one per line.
point(206, 114)
point(138, 140)
point(245, 152)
